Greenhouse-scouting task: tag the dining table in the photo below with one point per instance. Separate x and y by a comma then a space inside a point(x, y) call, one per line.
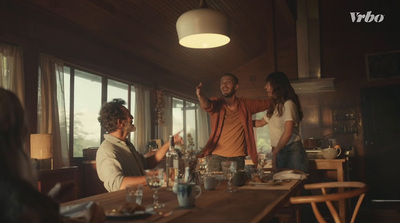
point(249, 203)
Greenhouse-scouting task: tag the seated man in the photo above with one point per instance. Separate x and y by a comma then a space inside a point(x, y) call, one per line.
point(118, 163)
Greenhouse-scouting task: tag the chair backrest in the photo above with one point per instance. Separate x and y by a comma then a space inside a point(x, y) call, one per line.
point(158, 142)
point(346, 190)
point(64, 191)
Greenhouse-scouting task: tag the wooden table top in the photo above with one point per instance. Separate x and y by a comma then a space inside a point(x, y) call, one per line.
point(244, 205)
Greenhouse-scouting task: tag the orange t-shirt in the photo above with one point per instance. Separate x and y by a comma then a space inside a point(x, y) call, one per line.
point(231, 142)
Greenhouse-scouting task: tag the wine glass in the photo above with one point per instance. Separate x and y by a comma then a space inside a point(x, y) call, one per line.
point(229, 169)
point(155, 179)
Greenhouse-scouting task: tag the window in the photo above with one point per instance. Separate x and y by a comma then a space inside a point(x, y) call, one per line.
point(184, 118)
point(261, 135)
point(86, 103)
point(4, 72)
point(117, 89)
point(11, 72)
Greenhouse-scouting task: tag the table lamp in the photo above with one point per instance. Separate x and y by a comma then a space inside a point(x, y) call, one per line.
point(41, 148)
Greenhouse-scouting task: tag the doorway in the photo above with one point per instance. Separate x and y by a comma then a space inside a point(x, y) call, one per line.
point(381, 121)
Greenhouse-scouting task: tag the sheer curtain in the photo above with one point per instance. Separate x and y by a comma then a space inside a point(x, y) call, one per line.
point(11, 70)
point(142, 119)
point(51, 114)
point(165, 130)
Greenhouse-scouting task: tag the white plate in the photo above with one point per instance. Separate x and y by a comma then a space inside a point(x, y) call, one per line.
point(269, 183)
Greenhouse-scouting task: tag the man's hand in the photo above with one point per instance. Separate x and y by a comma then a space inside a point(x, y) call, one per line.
point(198, 89)
point(204, 103)
point(178, 139)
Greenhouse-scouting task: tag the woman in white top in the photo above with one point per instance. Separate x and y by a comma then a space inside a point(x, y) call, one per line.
point(284, 118)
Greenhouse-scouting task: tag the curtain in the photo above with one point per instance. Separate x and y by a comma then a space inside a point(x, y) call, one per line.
point(203, 124)
point(51, 114)
point(142, 119)
point(11, 70)
point(165, 130)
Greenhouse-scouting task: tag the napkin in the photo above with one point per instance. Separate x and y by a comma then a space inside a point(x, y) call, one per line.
point(85, 212)
point(289, 175)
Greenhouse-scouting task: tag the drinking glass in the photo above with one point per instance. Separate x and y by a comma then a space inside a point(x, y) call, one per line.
point(134, 194)
point(229, 169)
point(262, 161)
point(201, 168)
point(155, 179)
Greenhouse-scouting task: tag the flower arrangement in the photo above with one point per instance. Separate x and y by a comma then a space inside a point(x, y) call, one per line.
point(160, 105)
point(189, 147)
point(190, 143)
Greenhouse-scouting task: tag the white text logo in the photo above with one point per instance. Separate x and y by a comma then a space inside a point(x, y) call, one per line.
point(369, 17)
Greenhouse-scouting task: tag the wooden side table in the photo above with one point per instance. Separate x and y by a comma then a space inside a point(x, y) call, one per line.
point(335, 165)
point(49, 178)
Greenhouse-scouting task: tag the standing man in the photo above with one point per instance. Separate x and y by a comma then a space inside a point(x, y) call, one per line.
point(232, 135)
point(118, 162)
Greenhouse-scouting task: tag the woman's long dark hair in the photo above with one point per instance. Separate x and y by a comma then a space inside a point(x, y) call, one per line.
point(13, 132)
point(282, 91)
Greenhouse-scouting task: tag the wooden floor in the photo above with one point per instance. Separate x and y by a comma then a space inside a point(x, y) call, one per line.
point(379, 213)
point(369, 213)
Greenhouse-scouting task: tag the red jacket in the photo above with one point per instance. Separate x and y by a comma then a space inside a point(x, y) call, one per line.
point(246, 108)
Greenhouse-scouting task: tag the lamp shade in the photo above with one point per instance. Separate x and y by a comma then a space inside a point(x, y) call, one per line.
point(203, 28)
point(41, 146)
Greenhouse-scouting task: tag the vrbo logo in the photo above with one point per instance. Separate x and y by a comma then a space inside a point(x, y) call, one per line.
point(369, 17)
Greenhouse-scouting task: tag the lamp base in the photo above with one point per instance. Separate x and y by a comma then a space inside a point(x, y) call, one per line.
point(43, 164)
point(35, 164)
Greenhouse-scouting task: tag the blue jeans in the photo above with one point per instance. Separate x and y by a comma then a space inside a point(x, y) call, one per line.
point(293, 156)
point(214, 162)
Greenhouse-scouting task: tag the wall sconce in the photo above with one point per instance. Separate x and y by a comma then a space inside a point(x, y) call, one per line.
point(41, 148)
point(203, 28)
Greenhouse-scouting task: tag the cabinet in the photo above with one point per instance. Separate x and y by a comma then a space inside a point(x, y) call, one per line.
point(67, 175)
point(345, 120)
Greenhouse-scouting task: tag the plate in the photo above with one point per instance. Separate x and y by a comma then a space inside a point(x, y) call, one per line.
point(115, 214)
point(269, 183)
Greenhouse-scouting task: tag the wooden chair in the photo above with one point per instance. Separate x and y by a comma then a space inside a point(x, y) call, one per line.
point(64, 191)
point(346, 190)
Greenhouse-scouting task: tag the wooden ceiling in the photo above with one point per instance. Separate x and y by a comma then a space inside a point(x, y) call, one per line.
point(146, 29)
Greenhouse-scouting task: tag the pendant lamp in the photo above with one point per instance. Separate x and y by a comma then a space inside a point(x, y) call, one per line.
point(203, 28)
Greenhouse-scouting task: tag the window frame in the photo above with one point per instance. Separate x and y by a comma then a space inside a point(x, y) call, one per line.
point(104, 94)
point(184, 117)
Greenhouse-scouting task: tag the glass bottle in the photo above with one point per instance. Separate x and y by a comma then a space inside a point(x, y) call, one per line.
point(172, 163)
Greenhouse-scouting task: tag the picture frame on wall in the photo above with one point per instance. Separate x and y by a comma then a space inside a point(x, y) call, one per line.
point(383, 65)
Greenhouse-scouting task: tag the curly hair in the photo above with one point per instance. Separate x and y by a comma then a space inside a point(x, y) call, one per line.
point(282, 91)
point(110, 113)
